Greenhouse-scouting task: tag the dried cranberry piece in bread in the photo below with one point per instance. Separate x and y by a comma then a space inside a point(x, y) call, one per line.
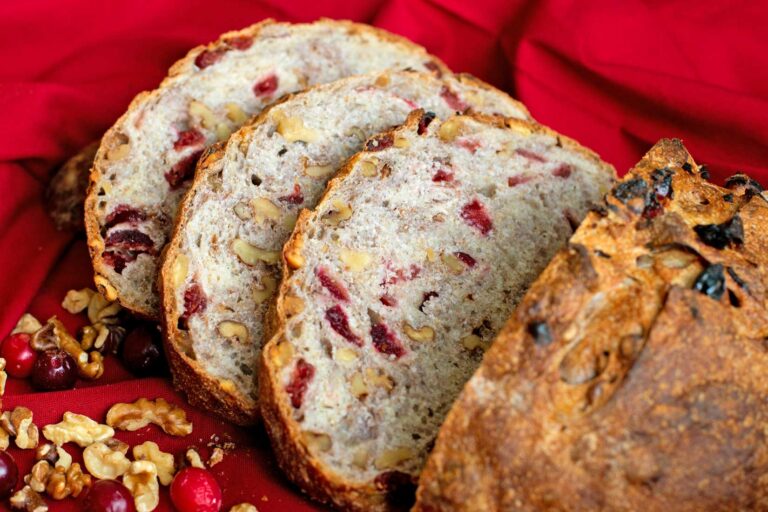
point(377, 406)
point(241, 209)
point(632, 376)
point(147, 159)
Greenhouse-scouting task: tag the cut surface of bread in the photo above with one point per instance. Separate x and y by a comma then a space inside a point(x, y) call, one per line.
point(396, 284)
point(66, 190)
point(632, 376)
point(222, 264)
point(147, 159)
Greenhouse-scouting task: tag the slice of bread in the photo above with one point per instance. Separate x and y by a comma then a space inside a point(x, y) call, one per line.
point(66, 190)
point(243, 204)
point(633, 374)
point(395, 285)
point(146, 160)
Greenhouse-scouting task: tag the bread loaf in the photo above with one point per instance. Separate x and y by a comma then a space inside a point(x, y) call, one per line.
point(396, 284)
point(632, 376)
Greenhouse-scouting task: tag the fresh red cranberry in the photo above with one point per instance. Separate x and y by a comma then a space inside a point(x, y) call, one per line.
point(562, 171)
point(514, 181)
point(209, 57)
point(183, 170)
point(530, 155)
point(302, 374)
point(194, 300)
point(142, 351)
point(108, 496)
point(475, 215)
point(9, 474)
point(386, 342)
point(124, 214)
point(195, 490)
point(466, 259)
point(453, 100)
point(334, 287)
point(441, 175)
point(19, 356)
point(294, 198)
point(54, 370)
point(191, 137)
point(339, 323)
point(379, 142)
point(266, 86)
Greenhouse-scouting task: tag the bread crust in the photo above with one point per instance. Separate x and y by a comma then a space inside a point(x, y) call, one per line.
point(631, 376)
point(111, 139)
point(312, 475)
point(65, 193)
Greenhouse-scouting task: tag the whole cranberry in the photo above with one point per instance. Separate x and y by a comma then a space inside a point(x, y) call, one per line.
point(54, 369)
point(9, 474)
point(142, 351)
point(108, 496)
point(19, 355)
point(195, 490)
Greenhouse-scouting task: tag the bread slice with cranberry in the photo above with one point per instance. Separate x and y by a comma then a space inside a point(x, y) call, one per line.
point(395, 285)
point(223, 260)
point(147, 159)
point(632, 376)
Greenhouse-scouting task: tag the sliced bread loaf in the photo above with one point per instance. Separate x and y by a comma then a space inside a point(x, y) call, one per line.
point(396, 284)
point(146, 160)
point(633, 374)
point(223, 260)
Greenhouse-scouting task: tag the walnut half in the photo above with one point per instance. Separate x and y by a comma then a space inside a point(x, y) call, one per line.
point(142, 412)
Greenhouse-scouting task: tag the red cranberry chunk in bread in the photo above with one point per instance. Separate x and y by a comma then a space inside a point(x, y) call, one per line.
point(242, 207)
point(457, 256)
point(147, 159)
point(632, 374)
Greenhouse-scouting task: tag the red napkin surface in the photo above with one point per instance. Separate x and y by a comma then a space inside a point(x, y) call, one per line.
point(616, 76)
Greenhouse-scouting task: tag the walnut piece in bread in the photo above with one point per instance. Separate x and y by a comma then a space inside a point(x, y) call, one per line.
point(632, 374)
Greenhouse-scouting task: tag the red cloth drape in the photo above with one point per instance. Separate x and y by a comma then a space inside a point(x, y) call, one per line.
point(616, 76)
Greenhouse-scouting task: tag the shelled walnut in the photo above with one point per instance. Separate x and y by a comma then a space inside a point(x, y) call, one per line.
point(28, 500)
point(142, 412)
point(104, 462)
point(18, 424)
point(78, 429)
point(141, 480)
point(164, 462)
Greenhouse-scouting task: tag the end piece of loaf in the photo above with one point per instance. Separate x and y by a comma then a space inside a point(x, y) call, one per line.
point(396, 284)
point(147, 159)
point(222, 264)
point(66, 190)
point(632, 376)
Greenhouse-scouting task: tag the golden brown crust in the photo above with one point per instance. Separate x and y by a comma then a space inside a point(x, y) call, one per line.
point(632, 374)
point(314, 477)
point(65, 194)
point(112, 138)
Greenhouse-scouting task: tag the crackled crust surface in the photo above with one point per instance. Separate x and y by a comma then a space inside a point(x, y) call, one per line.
point(632, 375)
point(146, 160)
point(249, 192)
point(395, 285)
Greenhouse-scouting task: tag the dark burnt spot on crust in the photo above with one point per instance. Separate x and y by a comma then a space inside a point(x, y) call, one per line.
point(736, 278)
point(728, 198)
point(602, 254)
point(718, 236)
point(704, 172)
point(743, 183)
point(540, 333)
point(711, 282)
point(630, 189)
point(687, 167)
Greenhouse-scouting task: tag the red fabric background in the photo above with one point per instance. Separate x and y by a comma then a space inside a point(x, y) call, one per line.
point(616, 76)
